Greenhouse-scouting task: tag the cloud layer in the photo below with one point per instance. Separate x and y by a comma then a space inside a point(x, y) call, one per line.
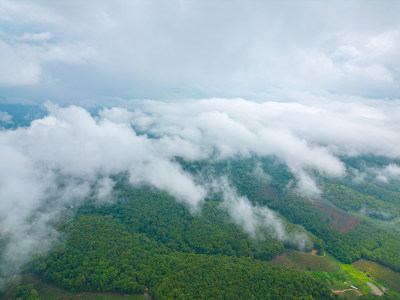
point(308, 134)
point(319, 77)
point(147, 49)
point(69, 155)
point(63, 158)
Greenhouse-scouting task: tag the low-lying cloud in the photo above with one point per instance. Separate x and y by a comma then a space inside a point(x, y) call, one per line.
point(255, 220)
point(5, 118)
point(69, 155)
point(390, 172)
point(61, 159)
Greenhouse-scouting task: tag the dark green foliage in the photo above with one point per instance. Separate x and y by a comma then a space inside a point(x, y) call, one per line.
point(102, 255)
point(386, 192)
point(351, 200)
point(26, 292)
point(162, 219)
point(212, 278)
point(147, 239)
point(364, 241)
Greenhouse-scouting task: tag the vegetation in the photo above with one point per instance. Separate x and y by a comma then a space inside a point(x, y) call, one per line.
point(26, 292)
point(366, 240)
point(307, 261)
point(161, 218)
point(386, 276)
point(351, 200)
point(147, 240)
point(47, 291)
point(103, 255)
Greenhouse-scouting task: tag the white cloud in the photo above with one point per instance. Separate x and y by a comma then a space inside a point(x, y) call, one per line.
point(5, 117)
point(318, 74)
point(42, 36)
point(59, 160)
point(390, 172)
point(255, 220)
point(306, 136)
point(146, 49)
point(18, 66)
point(26, 12)
point(66, 156)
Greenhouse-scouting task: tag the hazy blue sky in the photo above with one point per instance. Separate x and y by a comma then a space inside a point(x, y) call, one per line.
point(89, 52)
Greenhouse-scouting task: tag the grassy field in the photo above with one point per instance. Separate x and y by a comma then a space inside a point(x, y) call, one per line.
point(340, 277)
point(335, 281)
point(357, 278)
point(306, 261)
point(389, 278)
point(50, 292)
point(349, 276)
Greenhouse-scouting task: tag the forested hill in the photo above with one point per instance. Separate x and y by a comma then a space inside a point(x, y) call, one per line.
point(145, 239)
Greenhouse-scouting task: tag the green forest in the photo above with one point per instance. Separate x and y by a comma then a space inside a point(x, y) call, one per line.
point(146, 242)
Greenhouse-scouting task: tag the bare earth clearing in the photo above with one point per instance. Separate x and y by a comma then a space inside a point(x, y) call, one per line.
point(342, 222)
point(342, 291)
point(374, 289)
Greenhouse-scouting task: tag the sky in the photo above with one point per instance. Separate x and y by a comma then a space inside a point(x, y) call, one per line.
point(98, 52)
point(130, 85)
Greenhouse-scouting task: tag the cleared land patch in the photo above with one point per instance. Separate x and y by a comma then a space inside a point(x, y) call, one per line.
point(348, 293)
point(374, 289)
point(268, 191)
point(306, 261)
point(389, 278)
point(343, 279)
point(340, 219)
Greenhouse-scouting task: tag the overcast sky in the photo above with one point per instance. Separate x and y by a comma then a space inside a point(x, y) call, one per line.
point(92, 52)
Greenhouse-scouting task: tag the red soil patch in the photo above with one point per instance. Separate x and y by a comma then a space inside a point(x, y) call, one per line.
point(279, 256)
point(267, 191)
point(335, 215)
point(350, 224)
point(314, 252)
point(342, 291)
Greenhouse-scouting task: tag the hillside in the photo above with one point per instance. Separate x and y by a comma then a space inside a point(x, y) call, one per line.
point(144, 240)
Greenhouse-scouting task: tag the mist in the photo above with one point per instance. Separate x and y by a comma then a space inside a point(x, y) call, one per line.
point(130, 86)
point(5, 118)
point(256, 220)
point(62, 159)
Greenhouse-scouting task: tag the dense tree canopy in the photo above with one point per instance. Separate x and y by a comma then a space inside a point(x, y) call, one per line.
point(146, 239)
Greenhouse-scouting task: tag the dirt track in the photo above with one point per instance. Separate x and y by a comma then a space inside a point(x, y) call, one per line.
point(342, 291)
